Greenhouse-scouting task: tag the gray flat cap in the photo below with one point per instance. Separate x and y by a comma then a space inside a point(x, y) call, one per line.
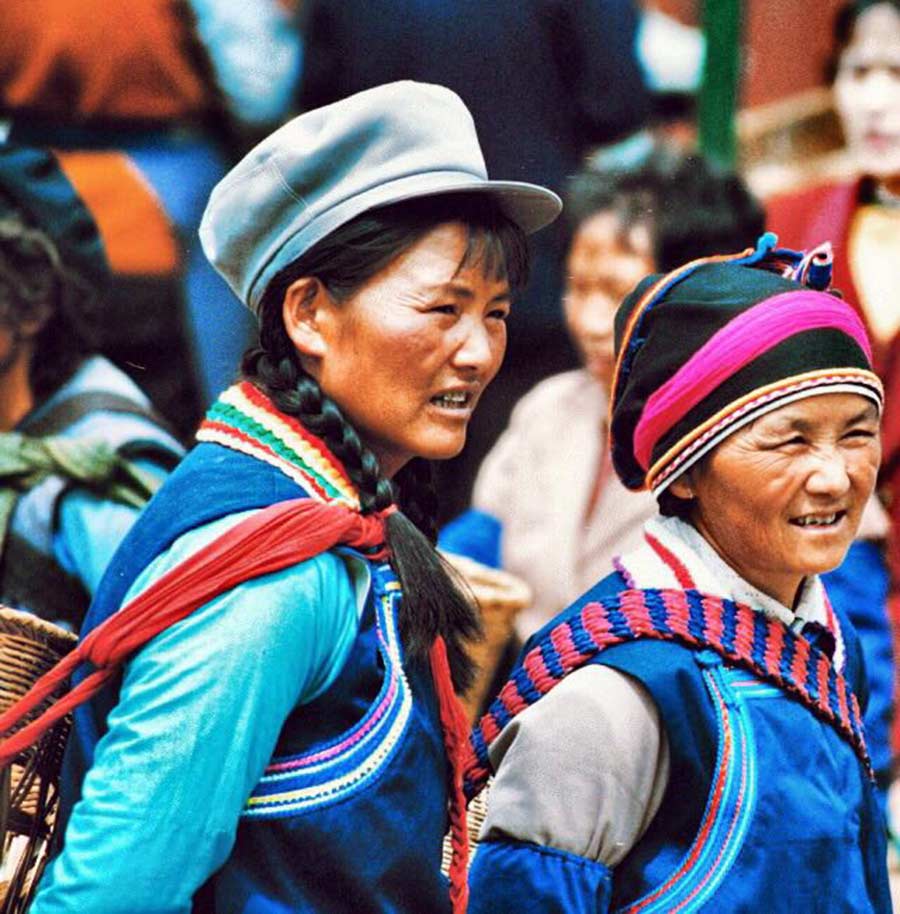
point(321, 169)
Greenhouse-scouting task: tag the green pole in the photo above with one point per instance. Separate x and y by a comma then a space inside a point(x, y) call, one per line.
point(717, 101)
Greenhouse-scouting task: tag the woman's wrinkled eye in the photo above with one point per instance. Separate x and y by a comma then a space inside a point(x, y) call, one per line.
point(860, 434)
point(499, 313)
point(443, 309)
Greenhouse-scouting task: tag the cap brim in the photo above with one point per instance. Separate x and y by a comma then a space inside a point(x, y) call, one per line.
point(530, 206)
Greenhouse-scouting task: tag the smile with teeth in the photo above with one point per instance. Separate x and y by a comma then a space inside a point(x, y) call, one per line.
point(818, 520)
point(454, 399)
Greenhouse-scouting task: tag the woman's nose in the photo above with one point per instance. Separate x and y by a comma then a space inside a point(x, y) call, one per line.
point(597, 317)
point(828, 475)
point(880, 90)
point(478, 348)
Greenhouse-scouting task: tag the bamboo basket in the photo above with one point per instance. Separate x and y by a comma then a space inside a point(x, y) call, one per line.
point(500, 596)
point(29, 788)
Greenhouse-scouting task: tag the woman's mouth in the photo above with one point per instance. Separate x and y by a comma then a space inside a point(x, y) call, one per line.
point(454, 399)
point(831, 519)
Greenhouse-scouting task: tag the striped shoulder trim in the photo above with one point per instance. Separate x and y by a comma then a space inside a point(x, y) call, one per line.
point(733, 630)
point(330, 773)
point(245, 420)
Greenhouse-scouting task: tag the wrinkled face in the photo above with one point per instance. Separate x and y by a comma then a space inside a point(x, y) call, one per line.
point(782, 498)
point(867, 92)
point(604, 265)
point(408, 356)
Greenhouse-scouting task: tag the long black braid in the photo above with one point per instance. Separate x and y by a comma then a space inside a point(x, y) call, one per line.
point(435, 601)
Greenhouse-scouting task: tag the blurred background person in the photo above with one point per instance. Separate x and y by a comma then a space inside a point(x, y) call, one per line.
point(80, 448)
point(546, 504)
point(151, 102)
point(862, 217)
point(546, 80)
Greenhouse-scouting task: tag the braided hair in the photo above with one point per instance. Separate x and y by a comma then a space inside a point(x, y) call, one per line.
point(435, 600)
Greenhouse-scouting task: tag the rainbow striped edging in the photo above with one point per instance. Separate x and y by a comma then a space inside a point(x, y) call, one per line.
point(740, 635)
point(244, 419)
point(296, 784)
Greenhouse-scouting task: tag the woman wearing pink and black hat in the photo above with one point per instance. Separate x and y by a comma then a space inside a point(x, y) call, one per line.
point(687, 735)
point(283, 731)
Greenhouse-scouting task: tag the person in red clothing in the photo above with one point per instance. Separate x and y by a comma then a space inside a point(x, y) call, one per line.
point(862, 217)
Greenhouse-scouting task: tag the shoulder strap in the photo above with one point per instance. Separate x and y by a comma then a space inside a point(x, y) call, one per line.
point(72, 409)
point(735, 631)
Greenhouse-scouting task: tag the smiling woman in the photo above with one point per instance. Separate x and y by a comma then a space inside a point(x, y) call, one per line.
point(692, 721)
point(304, 702)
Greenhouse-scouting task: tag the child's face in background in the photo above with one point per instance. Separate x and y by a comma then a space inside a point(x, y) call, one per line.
point(604, 264)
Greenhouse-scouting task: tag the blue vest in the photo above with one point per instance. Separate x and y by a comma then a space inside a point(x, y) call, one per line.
point(770, 805)
point(351, 811)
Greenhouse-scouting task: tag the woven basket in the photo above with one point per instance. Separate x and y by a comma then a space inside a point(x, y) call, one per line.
point(500, 596)
point(29, 787)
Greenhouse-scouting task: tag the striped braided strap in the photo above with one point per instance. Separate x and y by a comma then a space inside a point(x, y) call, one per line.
point(741, 635)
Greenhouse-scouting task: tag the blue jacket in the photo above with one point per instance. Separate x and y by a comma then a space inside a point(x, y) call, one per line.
point(770, 804)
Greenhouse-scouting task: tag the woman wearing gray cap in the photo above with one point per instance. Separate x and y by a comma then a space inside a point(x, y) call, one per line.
point(282, 741)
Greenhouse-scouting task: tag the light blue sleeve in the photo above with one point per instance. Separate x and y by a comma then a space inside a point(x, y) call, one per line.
point(90, 528)
point(200, 709)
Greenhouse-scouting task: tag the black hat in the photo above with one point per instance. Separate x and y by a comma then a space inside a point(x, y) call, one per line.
point(707, 348)
point(33, 184)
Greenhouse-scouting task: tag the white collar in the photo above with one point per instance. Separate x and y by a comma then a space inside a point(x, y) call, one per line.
point(711, 574)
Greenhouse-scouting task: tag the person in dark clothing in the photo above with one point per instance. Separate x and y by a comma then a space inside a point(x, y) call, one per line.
point(545, 81)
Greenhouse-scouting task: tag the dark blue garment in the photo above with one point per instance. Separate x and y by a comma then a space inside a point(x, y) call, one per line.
point(768, 807)
point(859, 587)
point(364, 760)
point(475, 534)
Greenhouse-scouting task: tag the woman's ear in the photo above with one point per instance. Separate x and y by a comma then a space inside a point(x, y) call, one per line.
point(682, 488)
point(301, 312)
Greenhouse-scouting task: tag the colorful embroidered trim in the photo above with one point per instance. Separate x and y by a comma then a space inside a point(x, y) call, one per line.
point(244, 419)
point(746, 337)
point(348, 764)
point(733, 630)
point(701, 438)
point(728, 813)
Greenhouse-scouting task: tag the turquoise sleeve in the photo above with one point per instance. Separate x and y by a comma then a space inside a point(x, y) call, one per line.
point(200, 710)
point(90, 528)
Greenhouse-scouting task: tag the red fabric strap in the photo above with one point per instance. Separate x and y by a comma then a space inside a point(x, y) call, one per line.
point(272, 539)
point(455, 726)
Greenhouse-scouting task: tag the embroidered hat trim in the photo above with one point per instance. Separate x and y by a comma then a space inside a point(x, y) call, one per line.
point(745, 408)
point(749, 335)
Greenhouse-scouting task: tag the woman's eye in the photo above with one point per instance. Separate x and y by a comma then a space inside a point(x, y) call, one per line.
point(859, 434)
point(499, 313)
point(444, 309)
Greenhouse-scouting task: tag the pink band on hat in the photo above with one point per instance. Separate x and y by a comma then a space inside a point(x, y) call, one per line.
point(735, 345)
